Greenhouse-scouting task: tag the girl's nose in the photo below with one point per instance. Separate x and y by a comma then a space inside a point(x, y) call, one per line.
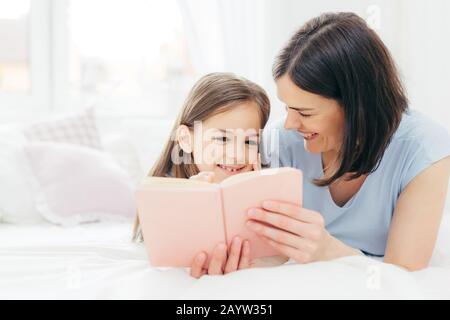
point(236, 153)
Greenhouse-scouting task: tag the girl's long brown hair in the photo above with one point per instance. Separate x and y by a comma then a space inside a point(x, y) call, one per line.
point(212, 94)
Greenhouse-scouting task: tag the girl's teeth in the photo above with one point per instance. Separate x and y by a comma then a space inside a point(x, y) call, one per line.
point(230, 169)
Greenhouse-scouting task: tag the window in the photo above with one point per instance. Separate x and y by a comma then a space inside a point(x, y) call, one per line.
point(24, 57)
point(126, 56)
point(14, 58)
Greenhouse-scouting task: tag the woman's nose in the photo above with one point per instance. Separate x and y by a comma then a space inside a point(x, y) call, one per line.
point(292, 121)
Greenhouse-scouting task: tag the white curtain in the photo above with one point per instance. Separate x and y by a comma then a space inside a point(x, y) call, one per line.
point(205, 42)
point(226, 35)
point(243, 36)
point(424, 55)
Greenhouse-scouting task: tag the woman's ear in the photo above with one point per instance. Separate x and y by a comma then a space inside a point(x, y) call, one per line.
point(184, 138)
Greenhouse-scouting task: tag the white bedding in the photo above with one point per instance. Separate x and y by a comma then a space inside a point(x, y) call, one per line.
point(98, 261)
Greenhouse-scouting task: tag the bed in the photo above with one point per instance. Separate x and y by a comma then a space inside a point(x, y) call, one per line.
point(98, 261)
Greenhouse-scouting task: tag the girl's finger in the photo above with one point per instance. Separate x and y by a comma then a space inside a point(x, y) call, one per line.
point(233, 255)
point(209, 176)
point(244, 261)
point(257, 163)
point(197, 267)
point(204, 176)
point(218, 259)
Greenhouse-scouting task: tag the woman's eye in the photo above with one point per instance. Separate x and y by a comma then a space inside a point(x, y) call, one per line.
point(301, 114)
point(251, 142)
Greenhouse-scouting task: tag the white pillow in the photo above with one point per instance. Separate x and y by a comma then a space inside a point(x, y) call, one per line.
point(16, 194)
point(78, 128)
point(441, 254)
point(77, 184)
point(122, 149)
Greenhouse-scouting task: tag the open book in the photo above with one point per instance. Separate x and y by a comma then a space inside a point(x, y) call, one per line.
point(180, 217)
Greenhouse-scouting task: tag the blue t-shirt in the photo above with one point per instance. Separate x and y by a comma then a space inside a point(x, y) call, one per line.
point(363, 222)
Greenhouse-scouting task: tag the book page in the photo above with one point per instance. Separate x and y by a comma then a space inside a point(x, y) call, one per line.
point(251, 175)
point(285, 185)
point(174, 182)
point(177, 223)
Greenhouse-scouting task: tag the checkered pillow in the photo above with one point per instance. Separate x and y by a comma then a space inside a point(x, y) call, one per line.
point(78, 129)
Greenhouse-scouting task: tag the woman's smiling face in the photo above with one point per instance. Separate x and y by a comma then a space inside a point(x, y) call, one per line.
point(319, 120)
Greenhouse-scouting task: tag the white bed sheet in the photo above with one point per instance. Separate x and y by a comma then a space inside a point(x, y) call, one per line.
point(98, 261)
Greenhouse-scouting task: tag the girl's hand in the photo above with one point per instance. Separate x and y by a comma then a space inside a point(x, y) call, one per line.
point(222, 262)
point(296, 232)
point(238, 259)
point(204, 176)
point(257, 164)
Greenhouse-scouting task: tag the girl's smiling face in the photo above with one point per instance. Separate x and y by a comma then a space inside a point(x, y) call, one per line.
point(227, 143)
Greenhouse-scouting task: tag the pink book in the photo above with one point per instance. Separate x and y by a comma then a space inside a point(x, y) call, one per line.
point(181, 217)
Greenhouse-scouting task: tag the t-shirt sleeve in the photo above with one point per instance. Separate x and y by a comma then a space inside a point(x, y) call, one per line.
point(428, 146)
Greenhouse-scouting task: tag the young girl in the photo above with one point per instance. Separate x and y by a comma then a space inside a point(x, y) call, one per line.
point(216, 136)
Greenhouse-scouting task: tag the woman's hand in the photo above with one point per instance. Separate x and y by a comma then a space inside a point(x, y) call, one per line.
point(296, 232)
point(268, 262)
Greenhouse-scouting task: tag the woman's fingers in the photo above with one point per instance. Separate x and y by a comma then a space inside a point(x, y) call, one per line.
point(244, 261)
point(277, 220)
point(218, 259)
point(234, 255)
point(294, 211)
point(282, 222)
point(198, 264)
point(298, 255)
point(277, 235)
point(269, 261)
point(294, 231)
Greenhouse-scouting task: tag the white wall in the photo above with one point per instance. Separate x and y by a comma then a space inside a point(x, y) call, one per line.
point(417, 32)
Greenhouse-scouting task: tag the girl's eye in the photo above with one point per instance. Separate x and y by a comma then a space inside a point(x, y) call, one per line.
point(305, 115)
point(251, 142)
point(221, 139)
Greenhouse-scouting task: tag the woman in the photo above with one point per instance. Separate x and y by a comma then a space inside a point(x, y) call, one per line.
point(376, 174)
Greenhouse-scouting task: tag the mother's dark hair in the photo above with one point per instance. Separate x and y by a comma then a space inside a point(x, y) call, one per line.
point(337, 56)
